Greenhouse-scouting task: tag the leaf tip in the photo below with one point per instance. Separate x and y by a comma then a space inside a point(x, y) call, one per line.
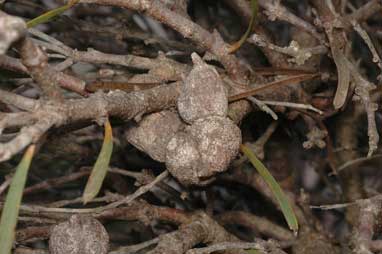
point(86, 198)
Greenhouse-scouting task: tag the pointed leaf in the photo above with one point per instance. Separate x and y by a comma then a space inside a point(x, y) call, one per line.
point(51, 14)
point(274, 186)
point(343, 78)
point(240, 42)
point(12, 203)
point(101, 166)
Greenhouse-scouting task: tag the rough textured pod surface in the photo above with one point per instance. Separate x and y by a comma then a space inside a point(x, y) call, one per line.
point(153, 133)
point(204, 149)
point(183, 158)
point(218, 140)
point(79, 235)
point(203, 93)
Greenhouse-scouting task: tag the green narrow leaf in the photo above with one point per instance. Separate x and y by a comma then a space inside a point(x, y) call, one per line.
point(101, 166)
point(12, 203)
point(51, 14)
point(235, 46)
point(275, 188)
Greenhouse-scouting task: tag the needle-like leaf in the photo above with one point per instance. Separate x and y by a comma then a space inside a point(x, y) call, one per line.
point(10, 211)
point(275, 188)
point(51, 14)
point(343, 78)
point(235, 46)
point(101, 166)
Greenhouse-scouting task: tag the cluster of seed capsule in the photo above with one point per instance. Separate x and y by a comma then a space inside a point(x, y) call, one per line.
point(198, 140)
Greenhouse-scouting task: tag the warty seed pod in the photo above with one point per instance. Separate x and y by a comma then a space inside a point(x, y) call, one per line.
point(203, 93)
point(183, 158)
point(218, 140)
point(79, 235)
point(153, 133)
point(204, 149)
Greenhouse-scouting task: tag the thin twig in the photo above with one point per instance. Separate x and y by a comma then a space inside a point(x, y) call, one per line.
point(142, 190)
